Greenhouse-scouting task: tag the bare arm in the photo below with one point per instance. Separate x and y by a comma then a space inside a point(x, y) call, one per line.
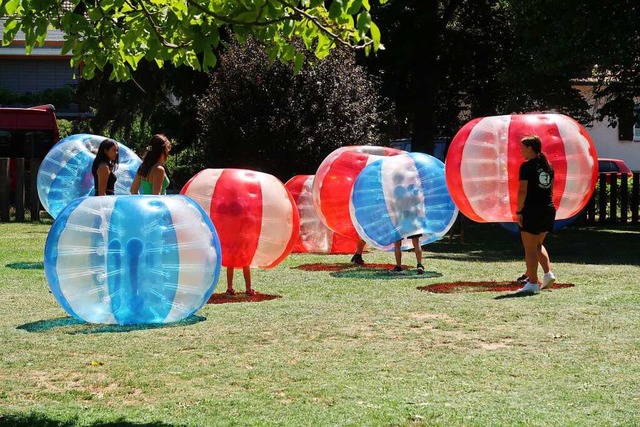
point(522, 195)
point(103, 176)
point(135, 186)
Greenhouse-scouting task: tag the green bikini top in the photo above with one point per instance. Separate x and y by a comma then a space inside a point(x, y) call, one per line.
point(147, 188)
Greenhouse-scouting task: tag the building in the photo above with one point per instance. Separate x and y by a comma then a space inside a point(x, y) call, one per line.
point(45, 68)
point(621, 142)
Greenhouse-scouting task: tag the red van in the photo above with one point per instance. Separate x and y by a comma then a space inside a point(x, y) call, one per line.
point(28, 133)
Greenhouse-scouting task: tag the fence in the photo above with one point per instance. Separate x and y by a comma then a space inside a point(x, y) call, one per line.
point(22, 188)
point(616, 201)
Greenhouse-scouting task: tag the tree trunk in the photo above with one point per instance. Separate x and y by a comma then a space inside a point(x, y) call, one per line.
point(425, 77)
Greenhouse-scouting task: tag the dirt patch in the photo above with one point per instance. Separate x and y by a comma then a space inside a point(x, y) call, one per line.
point(462, 287)
point(225, 298)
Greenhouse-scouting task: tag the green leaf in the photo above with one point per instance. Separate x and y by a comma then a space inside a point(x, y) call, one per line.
point(363, 23)
point(298, 63)
point(10, 7)
point(323, 46)
point(335, 10)
point(209, 60)
point(354, 7)
point(288, 27)
point(11, 27)
point(241, 32)
point(367, 6)
point(375, 35)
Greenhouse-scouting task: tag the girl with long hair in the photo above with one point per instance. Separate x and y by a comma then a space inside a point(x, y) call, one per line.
point(151, 177)
point(103, 167)
point(536, 213)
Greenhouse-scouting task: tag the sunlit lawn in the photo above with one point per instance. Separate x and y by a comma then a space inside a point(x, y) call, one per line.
point(354, 346)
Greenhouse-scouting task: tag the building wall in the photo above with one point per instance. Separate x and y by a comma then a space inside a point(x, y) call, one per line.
point(606, 140)
point(35, 74)
point(607, 145)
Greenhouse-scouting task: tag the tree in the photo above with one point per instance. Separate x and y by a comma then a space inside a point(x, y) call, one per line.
point(588, 39)
point(187, 32)
point(153, 100)
point(261, 116)
point(446, 73)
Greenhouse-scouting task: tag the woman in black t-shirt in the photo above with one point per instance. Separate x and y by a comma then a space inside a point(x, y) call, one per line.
point(536, 212)
point(105, 163)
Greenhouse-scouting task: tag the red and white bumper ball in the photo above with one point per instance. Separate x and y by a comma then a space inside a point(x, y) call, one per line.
point(334, 181)
point(484, 159)
point(255, 214)
point(314, 235)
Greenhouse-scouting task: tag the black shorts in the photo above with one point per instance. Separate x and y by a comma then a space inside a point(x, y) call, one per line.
point(536, 220)
point(415, 235)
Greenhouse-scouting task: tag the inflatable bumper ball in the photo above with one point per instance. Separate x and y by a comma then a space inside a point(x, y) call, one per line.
point(314, 235)
point(65, 172)
point(132, 259)
point(484, 159)
point(402, 196)
point(334, 180)
point(255, 215)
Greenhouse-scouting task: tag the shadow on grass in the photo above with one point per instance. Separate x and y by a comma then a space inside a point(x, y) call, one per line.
point(613, 245)
point(467, 287)
point(75, 326)
point(40, 420)
point(224, 298)
point(26, 265)
point(381, 271)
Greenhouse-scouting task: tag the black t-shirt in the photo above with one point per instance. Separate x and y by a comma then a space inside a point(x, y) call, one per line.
point(539, 183)
point(111, 181)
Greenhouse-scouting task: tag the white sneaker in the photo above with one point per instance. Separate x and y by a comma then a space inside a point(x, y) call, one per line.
point(547, 280)
point(530, 288)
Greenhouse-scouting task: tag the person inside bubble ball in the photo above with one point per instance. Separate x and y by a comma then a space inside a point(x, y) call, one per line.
point(536, 213)
point(397, 249)
point(151, 177)
point(103, 167)
point(229, 210)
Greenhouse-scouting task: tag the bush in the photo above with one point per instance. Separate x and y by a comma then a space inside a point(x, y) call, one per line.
point(259, 115)
point(65, 128)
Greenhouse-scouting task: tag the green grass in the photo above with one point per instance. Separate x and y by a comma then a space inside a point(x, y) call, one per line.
point(352, 347)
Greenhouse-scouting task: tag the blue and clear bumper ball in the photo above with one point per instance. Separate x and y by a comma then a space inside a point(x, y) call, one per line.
point(401, 196)
point(132, 259)
point(65, 172)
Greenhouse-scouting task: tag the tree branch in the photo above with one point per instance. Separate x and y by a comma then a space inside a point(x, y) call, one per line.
point(156, 28)
point(322, 27)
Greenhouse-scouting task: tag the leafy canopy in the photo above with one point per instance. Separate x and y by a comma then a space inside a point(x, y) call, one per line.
point(187, 32)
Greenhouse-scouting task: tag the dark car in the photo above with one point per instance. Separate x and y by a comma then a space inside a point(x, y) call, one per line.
point(611, 166)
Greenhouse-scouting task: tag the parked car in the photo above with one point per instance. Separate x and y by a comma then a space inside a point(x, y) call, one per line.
point(611, 166)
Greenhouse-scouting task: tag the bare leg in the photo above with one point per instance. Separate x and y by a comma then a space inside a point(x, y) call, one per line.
point(417, 249)
point(230, 281)
point(397, 250)
point(530, 243)
point(246, 273)
point(543, 256)
point(360, 246)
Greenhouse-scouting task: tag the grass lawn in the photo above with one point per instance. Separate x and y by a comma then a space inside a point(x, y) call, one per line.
point(356, 346)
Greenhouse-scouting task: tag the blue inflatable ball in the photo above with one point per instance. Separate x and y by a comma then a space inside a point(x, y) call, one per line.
point(132, 259)
point(65, 172)
point(401, 196)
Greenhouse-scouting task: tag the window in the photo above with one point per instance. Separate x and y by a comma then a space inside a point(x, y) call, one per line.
point(607, 166)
